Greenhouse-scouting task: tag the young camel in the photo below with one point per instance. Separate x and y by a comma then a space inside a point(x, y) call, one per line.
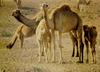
point(43, 35)
point(63, 19)
point(90, 35)
point(24, 31)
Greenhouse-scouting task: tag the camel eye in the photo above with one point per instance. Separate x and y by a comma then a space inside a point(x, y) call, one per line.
point(46, 5)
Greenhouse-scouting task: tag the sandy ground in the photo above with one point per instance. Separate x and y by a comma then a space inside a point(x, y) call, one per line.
point(26, 59)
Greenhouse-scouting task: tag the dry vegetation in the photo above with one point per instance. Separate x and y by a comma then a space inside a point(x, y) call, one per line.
point(25, 59)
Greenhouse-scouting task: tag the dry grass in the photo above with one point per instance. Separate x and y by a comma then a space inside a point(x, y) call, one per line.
point(25, 59)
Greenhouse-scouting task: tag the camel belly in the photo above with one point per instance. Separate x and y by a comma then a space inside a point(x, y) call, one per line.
point(27, 32)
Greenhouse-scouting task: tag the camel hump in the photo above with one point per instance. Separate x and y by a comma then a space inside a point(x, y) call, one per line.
point(65, 7)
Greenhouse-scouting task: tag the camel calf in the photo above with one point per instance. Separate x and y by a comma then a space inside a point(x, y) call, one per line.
point(43, 39)
point(90, 35)
point(43, 35)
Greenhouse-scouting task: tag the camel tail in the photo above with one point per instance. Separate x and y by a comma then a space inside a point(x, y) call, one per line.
point(11, 44)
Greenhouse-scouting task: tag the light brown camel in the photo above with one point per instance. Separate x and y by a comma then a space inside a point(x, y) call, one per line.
point(43, 36)
point(63, 19)
point(24, 31)
point(90, 35)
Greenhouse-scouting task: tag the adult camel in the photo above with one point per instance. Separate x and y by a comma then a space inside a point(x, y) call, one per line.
point(63, 19)
point(24, 31)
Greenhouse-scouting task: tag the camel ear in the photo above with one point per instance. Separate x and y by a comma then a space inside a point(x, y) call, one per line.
point(85, 27)
point(18, 11)
point(93, 27)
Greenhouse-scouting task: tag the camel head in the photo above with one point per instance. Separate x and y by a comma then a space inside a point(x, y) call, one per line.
point(86, 28)
point(44, 6)
point(93, 27)
point(16, 13)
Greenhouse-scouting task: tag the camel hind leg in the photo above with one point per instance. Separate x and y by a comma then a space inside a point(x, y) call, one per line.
point(73, 36)
point(80, 42)
point(93, 52)
point(87, 50)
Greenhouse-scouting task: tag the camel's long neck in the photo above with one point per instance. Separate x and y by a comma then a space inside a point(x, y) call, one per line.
point(46, 18)
point(25, 21)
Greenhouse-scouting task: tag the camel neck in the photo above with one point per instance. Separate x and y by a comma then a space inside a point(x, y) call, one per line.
point(46, 18)
point(25, 20)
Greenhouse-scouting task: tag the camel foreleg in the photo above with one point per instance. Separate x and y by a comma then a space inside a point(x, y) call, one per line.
point(53, 45)
point(60, 47)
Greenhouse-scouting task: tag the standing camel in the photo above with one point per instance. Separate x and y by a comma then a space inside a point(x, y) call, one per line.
point(90, 35)
point(43, 36)
point(24, 31)
point(63, 19)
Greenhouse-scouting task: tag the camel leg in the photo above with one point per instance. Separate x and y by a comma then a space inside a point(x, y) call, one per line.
point(13, 40)
point(21, 37)
point(77, 55)
point(53, 47)
point(49, 46)
point(73, 42)
point(40, 46)
point(87, 50)
point(93, 52)
point(80, 43)
point(60, 47)
point(76, 43)
point(45, 52)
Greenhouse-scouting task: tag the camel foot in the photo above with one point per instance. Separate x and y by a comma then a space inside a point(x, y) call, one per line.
point(87, 61)
point(77, 55)
point(94, 62)
point(72, 55)
point(9, 46)
point(53, 61)
point(79, 61)
point(42, 54)
point(61, 62)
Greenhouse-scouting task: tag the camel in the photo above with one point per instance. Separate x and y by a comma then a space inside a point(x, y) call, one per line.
point(90, 35)
point(63, 19)
point(24, 31)
point(43, 36)
point(82, 4)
